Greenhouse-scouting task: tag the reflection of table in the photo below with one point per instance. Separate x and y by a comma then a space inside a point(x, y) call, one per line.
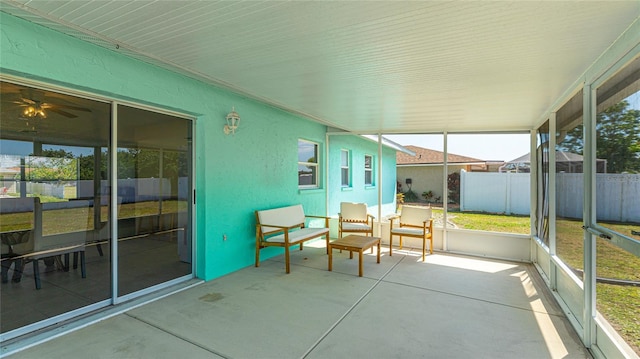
point(10, 239)
point(352, 244)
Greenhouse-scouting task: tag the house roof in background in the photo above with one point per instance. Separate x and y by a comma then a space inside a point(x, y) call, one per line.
point(561, 156)
point(425, 156)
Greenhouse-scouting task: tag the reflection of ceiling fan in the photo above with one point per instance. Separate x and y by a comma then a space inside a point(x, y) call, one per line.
point(38, 109)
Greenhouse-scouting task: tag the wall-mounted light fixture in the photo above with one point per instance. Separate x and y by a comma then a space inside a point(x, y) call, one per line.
point(233, 121)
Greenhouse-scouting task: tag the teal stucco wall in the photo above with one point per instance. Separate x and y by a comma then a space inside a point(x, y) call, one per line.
point(358, 147)
point(235, 175)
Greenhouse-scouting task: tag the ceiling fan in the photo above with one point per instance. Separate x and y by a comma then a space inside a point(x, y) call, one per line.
point(34, 108)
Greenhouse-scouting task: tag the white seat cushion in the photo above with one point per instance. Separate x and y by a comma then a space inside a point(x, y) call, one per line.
point(415, 216)
point(299, 235)
point(284, 216)
point(408, 231)
point(353, 211)
point(346, 226)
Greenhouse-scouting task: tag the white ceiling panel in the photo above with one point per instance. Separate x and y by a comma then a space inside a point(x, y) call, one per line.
point(384, 66)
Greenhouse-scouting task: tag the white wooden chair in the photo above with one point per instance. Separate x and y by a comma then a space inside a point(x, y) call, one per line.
point(286, 227)
point(353, 218)
point(413, 222)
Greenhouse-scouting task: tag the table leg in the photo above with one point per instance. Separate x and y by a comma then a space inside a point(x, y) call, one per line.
point(17, 270)
point(378, 251)
point(330, 251)
point(6, 263)
point(360, 263)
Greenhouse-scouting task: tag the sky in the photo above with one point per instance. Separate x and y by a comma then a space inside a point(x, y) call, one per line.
point(488, 147)
point(494, 147)
point(499, 147)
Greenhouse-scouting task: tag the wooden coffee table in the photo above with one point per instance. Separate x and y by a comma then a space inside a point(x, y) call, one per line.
point(352, 244)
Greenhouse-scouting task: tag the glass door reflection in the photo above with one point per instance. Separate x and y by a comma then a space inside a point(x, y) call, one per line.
point(53, 166)
point(154, 193)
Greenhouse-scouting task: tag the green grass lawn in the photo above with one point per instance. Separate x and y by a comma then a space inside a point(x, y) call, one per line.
point(491, 222)
point(619, 304)
point(76, 219)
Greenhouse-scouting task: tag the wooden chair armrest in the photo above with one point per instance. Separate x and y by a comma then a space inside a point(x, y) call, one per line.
point(285, 230)
point(430, 225)
point(325, 217)
point(277, 226)
point(391, 220)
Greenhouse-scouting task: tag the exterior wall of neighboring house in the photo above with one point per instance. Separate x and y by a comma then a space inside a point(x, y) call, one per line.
point(234, 174)
point(426, 178)
point(358, 191)
point(425, 168)
point(494, 166)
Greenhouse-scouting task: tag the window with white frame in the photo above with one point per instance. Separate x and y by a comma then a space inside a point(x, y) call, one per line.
point(307, 164)
point(368, 170)
point(345, 168)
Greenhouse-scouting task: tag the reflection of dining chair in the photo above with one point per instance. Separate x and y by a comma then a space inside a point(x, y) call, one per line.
point(59, 244)
point(102, 232)
point(18, 239)
point(414, 222)
point(353, 217)
point(11, 243)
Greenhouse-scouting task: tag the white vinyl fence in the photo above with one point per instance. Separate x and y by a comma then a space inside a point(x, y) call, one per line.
point(45, 189)
point(130, 189)
point(495, 192)
point(617, 195)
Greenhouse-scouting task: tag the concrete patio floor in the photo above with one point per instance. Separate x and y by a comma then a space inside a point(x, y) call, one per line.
point(448, 307)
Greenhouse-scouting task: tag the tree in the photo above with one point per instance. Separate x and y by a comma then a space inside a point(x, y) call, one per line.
point(453, 184)
point(617, 138)
point(53, 165)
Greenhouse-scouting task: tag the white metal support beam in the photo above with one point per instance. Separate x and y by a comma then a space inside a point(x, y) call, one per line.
point(445, 193)
point(553, 275)
point(589, 215)
point(380, 185)
point(113, 160)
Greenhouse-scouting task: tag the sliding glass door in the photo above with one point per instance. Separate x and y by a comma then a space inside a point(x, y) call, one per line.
point(60, 254)
point(154, 193)
point(54, 204)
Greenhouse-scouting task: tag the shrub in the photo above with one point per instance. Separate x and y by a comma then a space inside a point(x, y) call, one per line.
point(453, 184)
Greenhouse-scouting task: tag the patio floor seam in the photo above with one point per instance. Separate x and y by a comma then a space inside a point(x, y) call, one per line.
point(177, 336)
point(334, 325)
point(475, 299)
